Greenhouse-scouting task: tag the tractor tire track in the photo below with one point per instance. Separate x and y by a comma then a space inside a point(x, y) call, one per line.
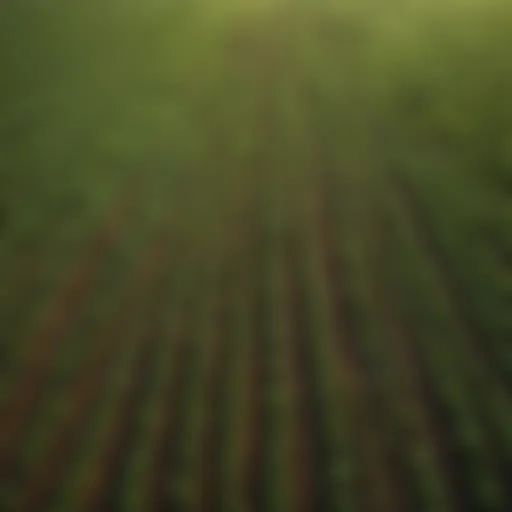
point(309, 454)
point(51, 330)
point(100, 493)
point(88, 385)
point(378, 467)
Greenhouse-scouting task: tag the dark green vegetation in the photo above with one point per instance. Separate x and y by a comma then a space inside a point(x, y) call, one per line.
point(256, 256)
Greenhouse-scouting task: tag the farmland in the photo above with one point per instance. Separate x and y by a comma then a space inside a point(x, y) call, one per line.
point(256, 256)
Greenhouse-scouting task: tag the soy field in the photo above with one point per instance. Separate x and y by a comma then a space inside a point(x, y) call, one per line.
point(256, 255)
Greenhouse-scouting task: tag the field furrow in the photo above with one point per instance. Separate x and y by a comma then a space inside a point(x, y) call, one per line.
point(256, 256)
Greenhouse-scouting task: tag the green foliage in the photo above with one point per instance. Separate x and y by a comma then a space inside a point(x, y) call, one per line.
point(230, 117)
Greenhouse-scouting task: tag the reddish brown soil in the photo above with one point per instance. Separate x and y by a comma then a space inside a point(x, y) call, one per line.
point(44, 342)
point(89, 383)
